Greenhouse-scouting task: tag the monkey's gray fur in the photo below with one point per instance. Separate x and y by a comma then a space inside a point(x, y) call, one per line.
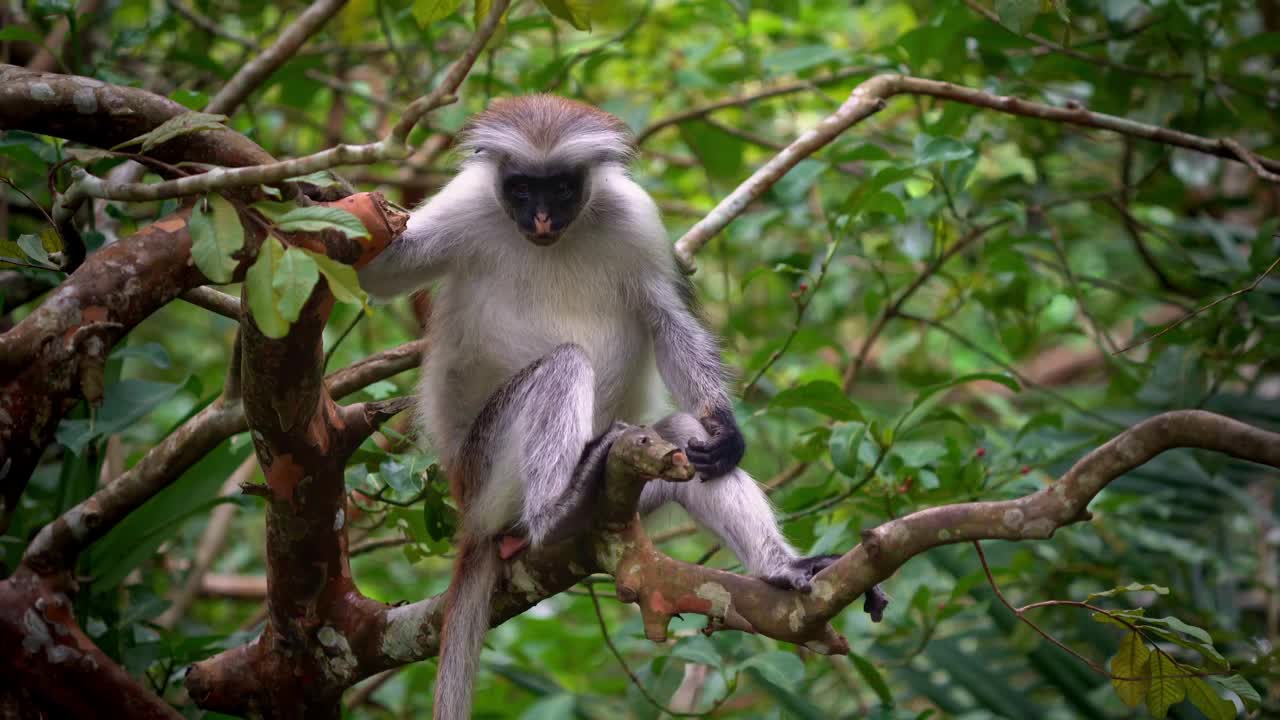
point(535, 350)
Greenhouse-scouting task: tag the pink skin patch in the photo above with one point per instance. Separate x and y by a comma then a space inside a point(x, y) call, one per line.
point(511, 545)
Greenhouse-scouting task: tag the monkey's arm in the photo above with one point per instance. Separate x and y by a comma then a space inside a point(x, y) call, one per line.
point(432, 241)
point(689, 360)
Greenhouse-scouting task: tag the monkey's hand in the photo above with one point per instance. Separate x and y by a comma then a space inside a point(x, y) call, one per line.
point(722, 451)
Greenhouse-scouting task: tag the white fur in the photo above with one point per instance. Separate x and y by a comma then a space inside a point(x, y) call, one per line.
point(601, 314)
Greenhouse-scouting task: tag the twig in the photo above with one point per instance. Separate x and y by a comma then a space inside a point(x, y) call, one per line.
point(1242, 291)
point(1021, 614)
point(328, 355)
point(208, 25)
point(1050, 45)
point(644, 692)
point(256, 71)
point(210, 545)
point(1251, 160)
point(215, 301)
point(581, 55)
point(894, 309)
point(802, 304)
point(391, 147)
point(700, 111)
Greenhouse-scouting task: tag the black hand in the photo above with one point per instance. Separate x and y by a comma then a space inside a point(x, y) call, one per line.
point(719, 454)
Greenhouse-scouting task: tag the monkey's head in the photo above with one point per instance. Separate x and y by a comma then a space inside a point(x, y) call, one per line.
point(543, 201)
point(544, 150)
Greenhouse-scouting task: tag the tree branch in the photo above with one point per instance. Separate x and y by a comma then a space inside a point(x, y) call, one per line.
point(871, 96)
point(252, 74)
point(390, 147)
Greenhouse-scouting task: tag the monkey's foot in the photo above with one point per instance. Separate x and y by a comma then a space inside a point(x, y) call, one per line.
point(798, 573)
point(511, 545)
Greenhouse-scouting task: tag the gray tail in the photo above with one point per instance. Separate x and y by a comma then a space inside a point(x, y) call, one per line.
point(466, 620)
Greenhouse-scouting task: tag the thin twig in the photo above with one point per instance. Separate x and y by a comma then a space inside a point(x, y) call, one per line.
point(1242, 291)
point(644, 692)
point(1020, 613)
point(256, 71)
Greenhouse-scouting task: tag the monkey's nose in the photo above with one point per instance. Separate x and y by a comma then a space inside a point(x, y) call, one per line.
point(542, 223)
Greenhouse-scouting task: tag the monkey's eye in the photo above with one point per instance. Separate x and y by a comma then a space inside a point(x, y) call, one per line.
point(563, 191)
point(520, 191)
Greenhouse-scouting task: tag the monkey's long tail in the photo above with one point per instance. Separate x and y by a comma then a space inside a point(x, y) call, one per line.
point(465, 622)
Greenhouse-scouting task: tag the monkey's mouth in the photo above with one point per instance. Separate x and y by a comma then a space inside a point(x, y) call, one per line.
point(543, 239)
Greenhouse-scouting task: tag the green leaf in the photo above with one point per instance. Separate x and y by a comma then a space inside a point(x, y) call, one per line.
point(845, 447)
point(719, 152)
point(1131, 587)
point(553, 707)
point(319, 178)
point(152, 352)
point(781, 668)
point(1241, 687)
point(21, 34)
point(429, 11)
point(1017, 15)
point(795, 705)
point(822, 396)
point(942, 149)
point(33, 247)
point(1132, 660)
point(873, 677)
point(261, 293)
point(344, 283)
point(1207, 700)
point(887, 203)
point(697, 649)
point(1003, 379)
point(574, 12)
point(216, 236)
point(123, 403)
point(174, 127)
point(795, 59)
point(1164, 690)
point(294, 278)
point(313, 219)
point(139, 534)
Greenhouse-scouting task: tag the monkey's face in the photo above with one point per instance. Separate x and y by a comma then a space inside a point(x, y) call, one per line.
point(543, 204)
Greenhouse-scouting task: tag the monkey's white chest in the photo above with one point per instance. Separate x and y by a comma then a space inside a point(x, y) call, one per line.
point(491, 327)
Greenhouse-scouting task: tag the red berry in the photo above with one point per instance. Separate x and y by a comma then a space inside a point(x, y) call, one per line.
point(1026, 469)
point(804, 287)
point(982, 452)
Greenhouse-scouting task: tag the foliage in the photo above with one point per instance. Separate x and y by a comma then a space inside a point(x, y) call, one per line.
point(946, 304)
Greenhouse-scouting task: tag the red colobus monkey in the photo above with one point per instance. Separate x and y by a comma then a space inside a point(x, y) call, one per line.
point(561, 310)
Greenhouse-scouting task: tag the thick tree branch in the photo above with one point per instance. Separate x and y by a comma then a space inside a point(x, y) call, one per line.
point(102, 115)
point(46, 653)
point(58, 544)
point(1035, 516)
point(871, 96)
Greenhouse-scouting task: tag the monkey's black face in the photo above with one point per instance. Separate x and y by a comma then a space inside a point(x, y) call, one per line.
point(543, 205)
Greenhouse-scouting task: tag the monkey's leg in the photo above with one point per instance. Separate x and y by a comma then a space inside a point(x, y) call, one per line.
point(735, 508)
point(536, 428)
